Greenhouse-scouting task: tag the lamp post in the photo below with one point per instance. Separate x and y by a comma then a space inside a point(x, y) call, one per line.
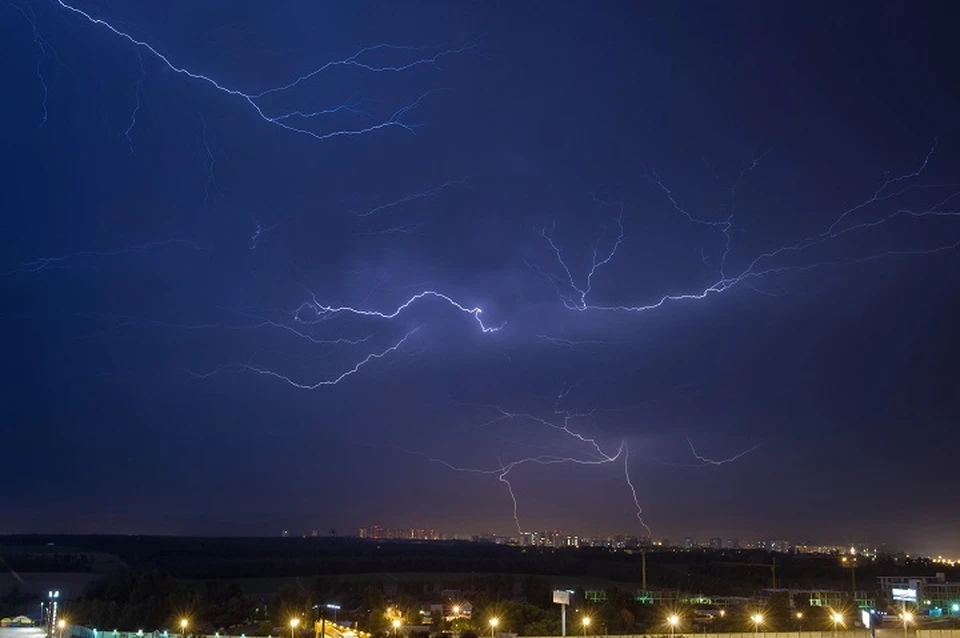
point(757, 621)
point(396, 626)
point(60, 625)
point(183, 626)
point(837, 618)
point(493, 626)
point(294, 623)
point(907, 619)
point(800, 619)
point(673, 620)
point(586, 623)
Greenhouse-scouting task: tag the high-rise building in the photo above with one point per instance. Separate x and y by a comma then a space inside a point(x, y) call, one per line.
point(51, 612)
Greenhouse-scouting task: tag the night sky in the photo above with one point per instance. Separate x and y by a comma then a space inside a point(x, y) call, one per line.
point(206, 249)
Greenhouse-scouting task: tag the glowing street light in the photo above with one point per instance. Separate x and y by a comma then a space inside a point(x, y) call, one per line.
point(493, 626)
point(396, 625)
point(294, 623)
point(757, 621)
point(60, 625)
point(183, 626)
point(837, 619)
point(800, 619)
point(907, 619)
point(456, 610)
point(673, 620)
point(586, 623)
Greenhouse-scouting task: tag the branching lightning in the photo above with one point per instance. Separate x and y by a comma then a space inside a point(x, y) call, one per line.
point(762, 265)
point(258, 101)
point(255, 368)
point(46, 52)
point(138, 88)
point(574, 287)
point(65, 261)
point(322, 311)
point(591, 452)
point(599, 260)
point(427, 194)
point(733, 458)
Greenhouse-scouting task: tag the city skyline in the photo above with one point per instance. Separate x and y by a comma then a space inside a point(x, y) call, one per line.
point(660, 270)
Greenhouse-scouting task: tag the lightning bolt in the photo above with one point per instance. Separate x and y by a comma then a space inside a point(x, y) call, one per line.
point(427, 194)
point(733, 458)
point(322, 311)
point(760, 265)
point(254, 368)
point(599, 260)
point(64, 261)
point(138, 88)
point(591, 453)
point(46, 52)
point(210, 161)
point(256, 101)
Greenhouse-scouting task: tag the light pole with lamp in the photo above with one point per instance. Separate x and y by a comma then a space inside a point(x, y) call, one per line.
point(907, 619)
point(183, 627)
point(586, 623)
point(294, 623)
point(493, 626)
point(757, 621)
point(837, 619)
point(673, 620)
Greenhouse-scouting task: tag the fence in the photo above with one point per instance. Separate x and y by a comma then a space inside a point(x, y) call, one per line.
point(77, 631)
point(854, 633)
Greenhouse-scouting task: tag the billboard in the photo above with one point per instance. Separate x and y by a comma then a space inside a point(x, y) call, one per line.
point(905, 594)
point(561, 596)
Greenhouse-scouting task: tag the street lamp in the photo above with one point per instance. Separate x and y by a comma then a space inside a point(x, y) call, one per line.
point(673, 620)
point(907, 619)
point(800, 619)
point(60, 625)
point(757, 621)
point(493, 626)
point(837, 618)
point(456, 610)
point(294, 623)
point(183, 626)
point(396, 626)
point(586, 623)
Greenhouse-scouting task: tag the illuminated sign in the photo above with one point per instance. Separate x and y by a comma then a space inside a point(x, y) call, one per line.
point(561, 596)
point(909, 595)
point(865, 618)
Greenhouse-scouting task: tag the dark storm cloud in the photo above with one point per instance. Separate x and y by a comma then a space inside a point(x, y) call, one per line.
point(843, 374)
